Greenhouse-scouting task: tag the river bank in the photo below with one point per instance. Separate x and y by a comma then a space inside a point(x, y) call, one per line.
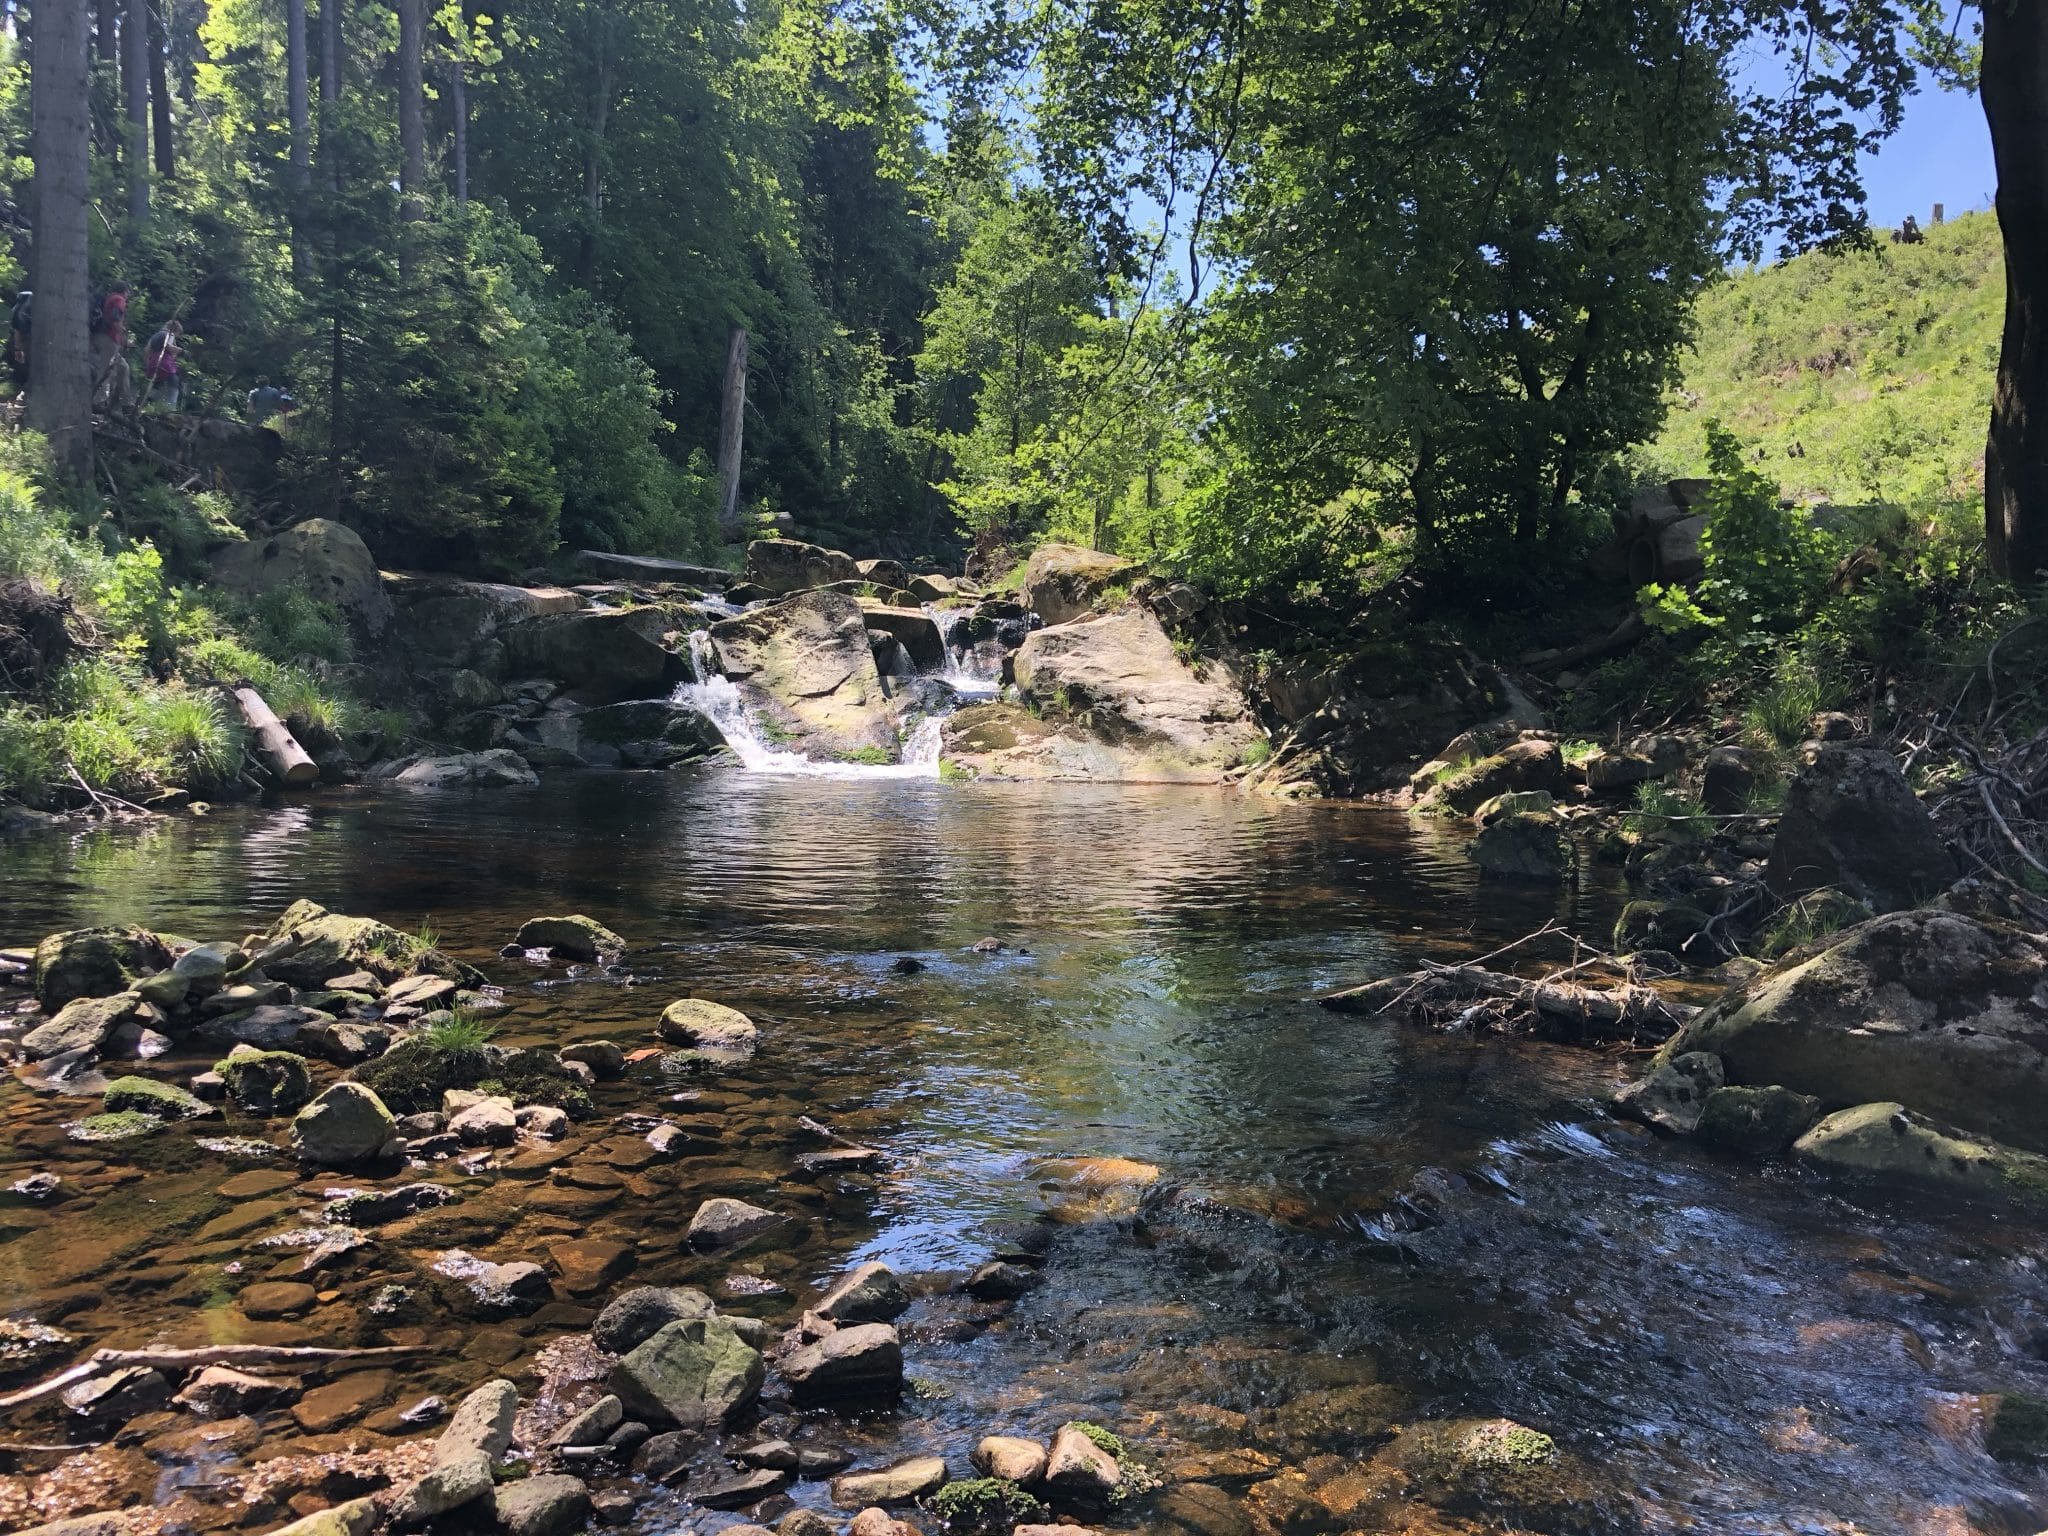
point(1356, 1227)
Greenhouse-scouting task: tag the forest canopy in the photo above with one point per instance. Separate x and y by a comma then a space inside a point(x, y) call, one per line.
point(1260, 292)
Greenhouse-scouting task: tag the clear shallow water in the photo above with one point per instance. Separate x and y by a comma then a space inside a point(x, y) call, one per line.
point(1345, 1204)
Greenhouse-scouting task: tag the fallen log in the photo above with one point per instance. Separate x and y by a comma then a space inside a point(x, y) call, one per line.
point(185, 1359)
point(293, 763)
point(1461, 996)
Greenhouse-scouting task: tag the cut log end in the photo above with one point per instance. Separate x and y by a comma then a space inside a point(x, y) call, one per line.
point(292, 763)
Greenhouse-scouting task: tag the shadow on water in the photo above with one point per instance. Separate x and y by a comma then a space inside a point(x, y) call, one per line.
point(1351, 1215)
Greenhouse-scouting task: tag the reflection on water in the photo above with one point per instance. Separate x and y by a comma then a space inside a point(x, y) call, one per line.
point(1342, 1202)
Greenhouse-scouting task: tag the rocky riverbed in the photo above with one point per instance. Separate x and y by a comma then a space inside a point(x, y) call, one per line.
point(1228, 1263)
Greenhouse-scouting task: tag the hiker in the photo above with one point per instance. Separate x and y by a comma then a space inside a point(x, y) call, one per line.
point(17, 340)
point(110, 345)
point(160, 361)
point(267, 400)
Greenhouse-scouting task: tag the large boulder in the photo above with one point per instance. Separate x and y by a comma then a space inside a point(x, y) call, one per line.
point(500, 768)
point(911, 628)
point(1525, 766)
point(1852, 822)
point(1889, 1141)
point(1119, 679)
point(806, 666)
point(347, 1124)
point(782, 566)
point(600, 656)
point(323, 558)
point(448, 622)
point(697, 1372)
point(1063, 581)
point(95, 962)
point(309, 946)
point(1932, 1009)
point(1523, 845)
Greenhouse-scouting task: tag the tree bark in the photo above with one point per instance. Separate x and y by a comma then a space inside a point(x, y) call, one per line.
point(300, 112)
point(458, 102)
point(60, 357)
point(412, 113)
point(330, 89)
point(2014, 83)
point(160, 93)
point(593, 151)
point(135, 84)
point(731, 429)
point(108, 45)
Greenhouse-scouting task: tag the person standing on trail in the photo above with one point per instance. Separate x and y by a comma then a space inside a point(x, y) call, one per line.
point(267, 400)
point(160, 364)
point(110, 343)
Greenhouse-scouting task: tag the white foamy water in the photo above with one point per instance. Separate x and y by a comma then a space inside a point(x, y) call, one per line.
point(966, 671)
point(719, 700)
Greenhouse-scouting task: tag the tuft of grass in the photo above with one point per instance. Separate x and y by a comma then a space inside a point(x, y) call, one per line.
point(1257, 753)
point(1662, 809)
point(873, 757)
point(1777, 717)
point(1813, 916)
point(455, 1034)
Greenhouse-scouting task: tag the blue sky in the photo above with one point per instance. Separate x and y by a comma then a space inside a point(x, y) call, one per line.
point(1942, 154)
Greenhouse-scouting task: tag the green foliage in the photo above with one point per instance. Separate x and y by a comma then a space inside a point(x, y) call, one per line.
point(984, 1505)
point(1765, 562)
point(1780, 709)
point(872, 756)
point(1660, 809)
point(1855, 373)
point(455, 1032)
point(1813, 916)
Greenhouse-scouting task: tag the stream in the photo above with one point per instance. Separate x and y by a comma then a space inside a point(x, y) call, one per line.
point(1356, 1223)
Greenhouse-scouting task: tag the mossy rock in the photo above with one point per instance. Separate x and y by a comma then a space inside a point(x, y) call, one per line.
point(121, 1125)
point(574, 937)
point(95, 962)
point(162, 1101)
point(1756, 1122)
point(411, 1077)
point(2019, 1428)
point(985, 1505)
point(1657, 925)
point(267, 1082)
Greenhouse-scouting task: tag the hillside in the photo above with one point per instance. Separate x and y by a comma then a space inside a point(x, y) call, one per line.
point(1877, 364)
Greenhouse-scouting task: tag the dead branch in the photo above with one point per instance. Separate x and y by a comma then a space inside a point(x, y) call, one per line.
point(1463, 994)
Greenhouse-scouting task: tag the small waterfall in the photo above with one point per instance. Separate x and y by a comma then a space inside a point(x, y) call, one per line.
point(718, 698)
point(965, 670)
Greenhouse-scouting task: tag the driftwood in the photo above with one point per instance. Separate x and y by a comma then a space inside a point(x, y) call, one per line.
point(293, 763)
point(185, 1359)
point(1462, 996)
point(1625, 634)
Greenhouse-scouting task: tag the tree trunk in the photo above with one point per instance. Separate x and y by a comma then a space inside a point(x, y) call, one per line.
point(300, 112)
point(2014, 83)
point(458, 102)
point(135, 83)
point(412, 113)
point(593, 154)
point(108, 45)
point(160, 93)
point(330, 89)
point(60, 359)
point(731, 427)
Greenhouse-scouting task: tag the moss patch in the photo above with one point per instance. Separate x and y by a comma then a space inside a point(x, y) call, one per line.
point(2019, 1429)
point(985, 1504)
point(119, 1125)
point(147, 1096)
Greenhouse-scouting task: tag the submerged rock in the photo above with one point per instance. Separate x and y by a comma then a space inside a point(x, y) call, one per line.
point(1523, 845)
point(499, 768)
point(489, 1290)
point(722, 1222)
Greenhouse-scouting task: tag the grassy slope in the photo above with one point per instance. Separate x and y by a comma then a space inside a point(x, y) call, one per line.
point(1878, 362)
